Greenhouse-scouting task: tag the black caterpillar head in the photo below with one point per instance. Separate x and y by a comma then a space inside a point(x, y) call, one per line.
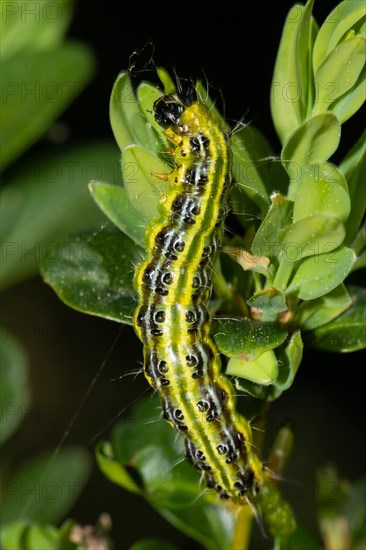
point(167, 111)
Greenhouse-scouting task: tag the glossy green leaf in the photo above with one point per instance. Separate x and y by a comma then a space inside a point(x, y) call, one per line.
point(14, 388)
point(312, 237)
point(354, 168)
point(262, 370)
point(115, 204)
point(93, 273)
point(345, 16)
point(322, 189)
point(24, 536)
point(269, 304)
point(124, 111)
point(113, 470)
point(345, 333)
point(166, 80)
point(36, 197)
point(315, 313)
point(37, 87)
point(266, 240)
point(153, 544)
point(311, 143)
point(289, 358)
point(301, 48)
point(246, 339)
point(147, 95)
point(286, 90)
point(45, 488)
point(349, 103)
point(39, 26)
point(319, 274)
point(144, 189)
point(246, 166)
point(338, 73)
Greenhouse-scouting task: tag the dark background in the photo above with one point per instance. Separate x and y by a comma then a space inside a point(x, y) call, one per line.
point(234, 47)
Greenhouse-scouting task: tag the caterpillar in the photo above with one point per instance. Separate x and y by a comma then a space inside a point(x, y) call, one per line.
point(181, 361)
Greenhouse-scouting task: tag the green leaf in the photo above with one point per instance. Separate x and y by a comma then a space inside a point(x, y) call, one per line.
point(93, 273)
point(153, 544)
point(113, 201)
point(290, 84)
point(113, 470)
point(269, 303)
point(14, 388)
point(246, 165)
point(266, 240)
point(312, 143)
point(36, 197)
point(37, 87)
point(166, 80)
point(338, 73)
point(312, 236)
point(246, 339)
point(319, 274)
point(347, 332)
point(45, 488)
point(354, 168)
point(289, 359)
point(143, 188)
point(34, 27)
point(315, 313)
point(124, 111)
point(340, 21)
point(322, 189)
point(262, 370)
point(349, 103)
point(23, 536)
point(147, 95)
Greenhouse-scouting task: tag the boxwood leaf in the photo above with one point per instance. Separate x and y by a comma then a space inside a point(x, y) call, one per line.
point(93, 273)
point(311, 236)
point(262, 370)
point(311, 143)
point(246, 339)
point(14, 388)
point(114, 470)
point(315, 313)
point(124, 111)
point(345, 333)
point(319, 274)
point(38, 86)
point(266, 240)
point(25, 536)
point(286, 89)
point(36, 197)
point(115, 204)
point(144, 189)
point(345, 16)
point(339, 71)
point(52, 482)
point(322, 189)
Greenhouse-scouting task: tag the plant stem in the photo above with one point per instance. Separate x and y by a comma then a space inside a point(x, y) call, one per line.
point(243, 516)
